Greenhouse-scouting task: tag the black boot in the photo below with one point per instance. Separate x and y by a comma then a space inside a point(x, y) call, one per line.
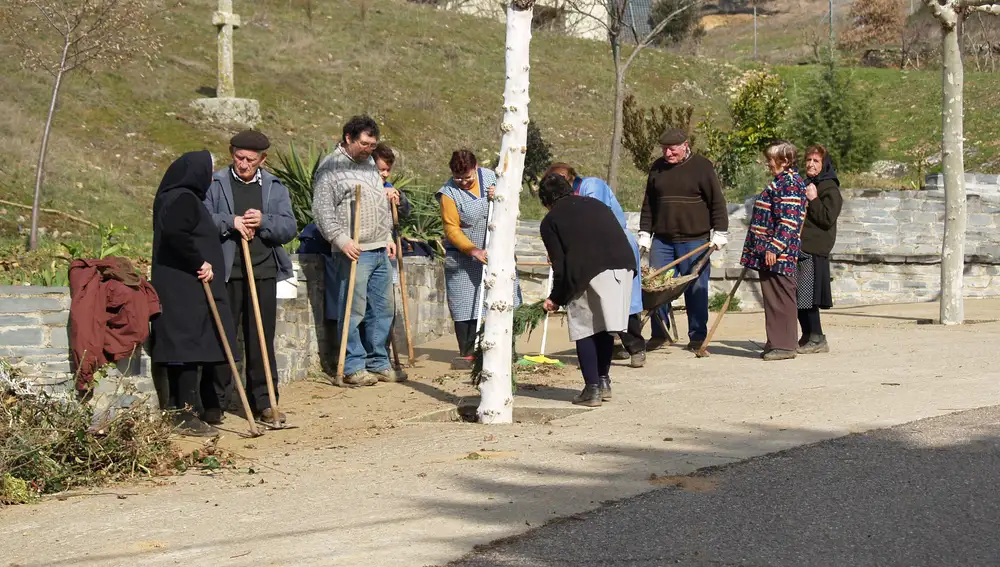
point(190, 425)
point(606, 389)
point(590, 396)
point(816, 344)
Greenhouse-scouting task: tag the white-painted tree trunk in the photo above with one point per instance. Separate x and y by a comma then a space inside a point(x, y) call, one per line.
point(953, 161)
point(497, 396)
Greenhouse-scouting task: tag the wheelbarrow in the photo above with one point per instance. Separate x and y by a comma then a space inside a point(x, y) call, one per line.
point(653, 298)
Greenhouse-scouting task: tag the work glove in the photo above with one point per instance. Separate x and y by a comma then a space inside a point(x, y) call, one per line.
point(645, 240)
point(720, 239)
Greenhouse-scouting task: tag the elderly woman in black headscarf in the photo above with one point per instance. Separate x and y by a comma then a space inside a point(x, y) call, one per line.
point(592, 270)
point(819, 233)
point(186, 249)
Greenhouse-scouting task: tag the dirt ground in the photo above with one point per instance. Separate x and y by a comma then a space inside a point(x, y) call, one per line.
point(359, 482)
point(324, 415)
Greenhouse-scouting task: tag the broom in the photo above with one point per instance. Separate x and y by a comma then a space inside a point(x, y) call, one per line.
point(540, 358)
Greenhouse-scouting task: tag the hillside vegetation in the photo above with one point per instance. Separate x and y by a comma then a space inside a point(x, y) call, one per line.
point(433, 79)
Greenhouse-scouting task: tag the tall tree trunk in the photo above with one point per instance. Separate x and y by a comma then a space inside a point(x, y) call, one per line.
point(953, 160)
point(40, 172)
point(617, 119)
point(496, 388)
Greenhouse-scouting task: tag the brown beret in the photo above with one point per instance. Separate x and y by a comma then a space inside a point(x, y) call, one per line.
point(250, 140)
point(673, 136)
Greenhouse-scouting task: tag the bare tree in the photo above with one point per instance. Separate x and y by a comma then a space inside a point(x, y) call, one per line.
point(950, 14)
point(60, 36)
point(621, 22)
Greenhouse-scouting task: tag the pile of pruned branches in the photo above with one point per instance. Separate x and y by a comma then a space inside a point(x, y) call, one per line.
point(48, 444)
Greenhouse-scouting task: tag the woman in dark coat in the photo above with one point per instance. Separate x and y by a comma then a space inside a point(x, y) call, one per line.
point(592, 270)
point(185, 249)
point(819, 233)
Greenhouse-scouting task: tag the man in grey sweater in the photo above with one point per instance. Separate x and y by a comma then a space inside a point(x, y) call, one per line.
point(334, 188)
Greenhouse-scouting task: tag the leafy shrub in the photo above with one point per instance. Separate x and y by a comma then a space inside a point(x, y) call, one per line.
point(537, 157)
point(717, 300)
point(834, 112)
point(683, 25)
point(757, 107)
point(296, 172)
point(641, 129)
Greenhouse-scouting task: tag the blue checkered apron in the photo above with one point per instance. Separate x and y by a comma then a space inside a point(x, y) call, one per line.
point(463, 273)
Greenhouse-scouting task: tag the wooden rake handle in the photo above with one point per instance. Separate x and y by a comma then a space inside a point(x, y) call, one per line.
point(679, 260)
point(703, 351)
point(264, 355)
point(229, 358)
point(346, 323)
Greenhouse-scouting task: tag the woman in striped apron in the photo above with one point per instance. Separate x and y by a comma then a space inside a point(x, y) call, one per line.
point(464, 201)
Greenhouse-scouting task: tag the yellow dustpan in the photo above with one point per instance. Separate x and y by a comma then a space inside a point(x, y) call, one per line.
point(540, 358)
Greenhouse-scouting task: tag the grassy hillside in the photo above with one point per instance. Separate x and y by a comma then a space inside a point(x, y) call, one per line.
point(434, 79)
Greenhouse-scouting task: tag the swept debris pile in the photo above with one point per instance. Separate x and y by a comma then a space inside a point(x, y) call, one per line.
point(49, 444)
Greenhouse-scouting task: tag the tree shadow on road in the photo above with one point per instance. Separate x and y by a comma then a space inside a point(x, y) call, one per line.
point(921, 493)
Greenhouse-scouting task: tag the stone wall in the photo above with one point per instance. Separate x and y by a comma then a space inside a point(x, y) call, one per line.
point(34, 329)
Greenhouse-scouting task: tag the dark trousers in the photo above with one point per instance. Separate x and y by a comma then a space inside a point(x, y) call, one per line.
point(632, 337)
point(218, 392)
point(594, 355)
point(810, 322)
point(780, 310)
point(184, 389)
point(465, 332)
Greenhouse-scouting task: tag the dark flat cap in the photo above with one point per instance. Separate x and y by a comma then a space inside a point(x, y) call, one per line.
point(250, 140)
point(673, 136)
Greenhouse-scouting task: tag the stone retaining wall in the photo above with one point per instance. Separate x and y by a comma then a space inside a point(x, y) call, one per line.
point(34, 330)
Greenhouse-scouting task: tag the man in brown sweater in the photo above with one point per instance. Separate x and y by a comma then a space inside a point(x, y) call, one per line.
point(684, 208)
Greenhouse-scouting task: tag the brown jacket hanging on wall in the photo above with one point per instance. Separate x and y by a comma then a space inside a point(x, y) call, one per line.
point(109, 314)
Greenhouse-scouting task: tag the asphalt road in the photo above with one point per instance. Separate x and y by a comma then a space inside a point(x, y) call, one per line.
point(923, 493)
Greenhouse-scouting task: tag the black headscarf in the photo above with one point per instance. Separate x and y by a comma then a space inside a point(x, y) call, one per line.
point(828, 173)
point(192, 171)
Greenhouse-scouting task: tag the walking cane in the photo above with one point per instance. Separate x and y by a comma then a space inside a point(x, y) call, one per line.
point(229, 358)
point(402, 288)
point(350, 290)
point(265, 356)
point(482, 280)
point(703, 351)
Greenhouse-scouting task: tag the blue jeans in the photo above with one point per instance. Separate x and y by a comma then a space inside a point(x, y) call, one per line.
point(695, 296)
point(372, 303)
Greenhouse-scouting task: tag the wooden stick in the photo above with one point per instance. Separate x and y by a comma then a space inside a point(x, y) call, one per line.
point(402, 288)
point(229, 358)
point(679, 260)
point(264, 355)
point(53, 212)
point(703, 351)
point(350, 289)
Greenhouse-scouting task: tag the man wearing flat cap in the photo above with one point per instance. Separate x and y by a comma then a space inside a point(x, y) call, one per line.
point(683, 209)
point(249, 203)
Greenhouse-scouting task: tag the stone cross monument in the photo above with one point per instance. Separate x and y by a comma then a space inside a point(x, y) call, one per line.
point(226, 21)
point(225, 108)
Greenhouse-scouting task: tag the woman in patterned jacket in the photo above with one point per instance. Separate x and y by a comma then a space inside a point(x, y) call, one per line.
point(772, 248)
point(464, 201)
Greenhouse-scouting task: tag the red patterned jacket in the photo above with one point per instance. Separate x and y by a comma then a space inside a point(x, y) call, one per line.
point(776, 224)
